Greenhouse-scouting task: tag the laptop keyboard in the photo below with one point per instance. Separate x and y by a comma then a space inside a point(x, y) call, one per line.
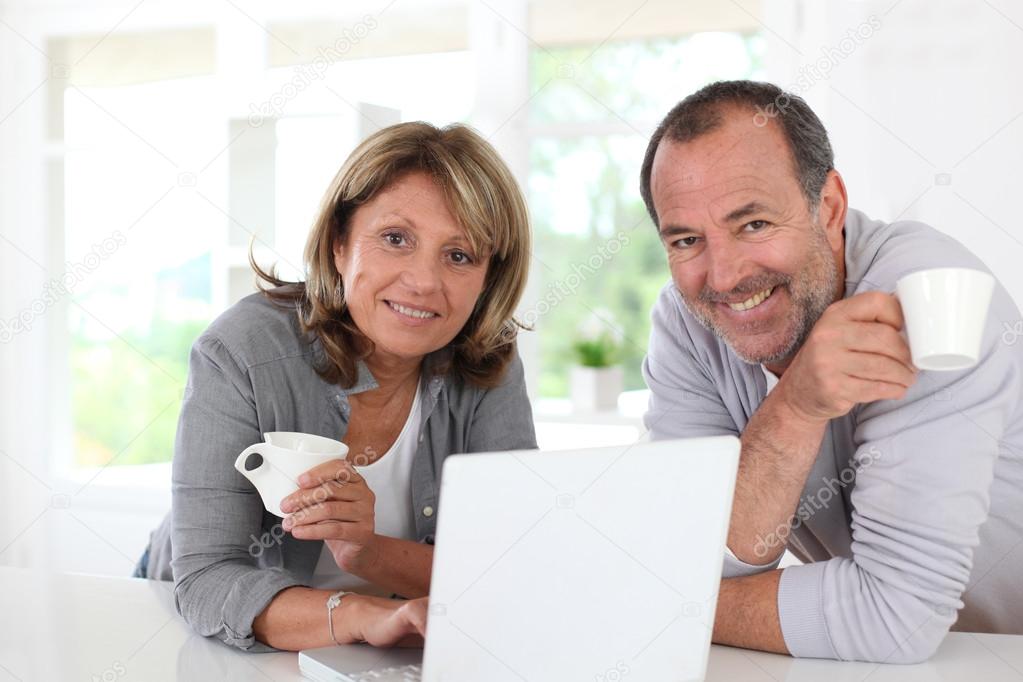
point(401, 673)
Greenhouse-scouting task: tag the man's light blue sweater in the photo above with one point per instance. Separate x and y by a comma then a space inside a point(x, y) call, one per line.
point(911, 520)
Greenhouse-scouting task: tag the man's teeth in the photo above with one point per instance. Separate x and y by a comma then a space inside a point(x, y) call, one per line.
point(411, 312)
point(753, 301)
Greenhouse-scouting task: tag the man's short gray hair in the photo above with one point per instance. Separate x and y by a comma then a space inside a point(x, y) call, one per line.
point(701, 113)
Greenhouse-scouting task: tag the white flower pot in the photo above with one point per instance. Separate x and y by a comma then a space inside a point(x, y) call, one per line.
point(595, 388)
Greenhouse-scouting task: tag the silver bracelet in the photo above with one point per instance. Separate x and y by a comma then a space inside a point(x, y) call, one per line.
point(333, 601)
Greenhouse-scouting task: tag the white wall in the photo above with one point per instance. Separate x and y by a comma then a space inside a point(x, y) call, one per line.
point(25, 491)
point(925, 114)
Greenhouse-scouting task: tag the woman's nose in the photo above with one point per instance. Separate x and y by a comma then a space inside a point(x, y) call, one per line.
point(422, 274)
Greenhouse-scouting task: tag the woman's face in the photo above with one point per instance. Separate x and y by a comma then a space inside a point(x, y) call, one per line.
point(411, 278)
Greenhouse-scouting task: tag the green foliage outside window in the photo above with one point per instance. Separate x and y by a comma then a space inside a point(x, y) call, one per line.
point(595, 246)
point(127, 397)
point(127, 389)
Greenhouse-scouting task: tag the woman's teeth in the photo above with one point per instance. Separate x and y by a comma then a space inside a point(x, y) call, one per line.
point(411, 312)
point(753, 301)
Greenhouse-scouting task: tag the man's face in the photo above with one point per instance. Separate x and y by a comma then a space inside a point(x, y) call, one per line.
point(751, 261)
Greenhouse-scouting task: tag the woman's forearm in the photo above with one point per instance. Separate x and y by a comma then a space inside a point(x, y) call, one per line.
point(296, 619)
point(401, 566)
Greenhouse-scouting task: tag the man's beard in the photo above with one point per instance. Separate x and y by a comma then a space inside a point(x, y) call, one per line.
point(811, 291)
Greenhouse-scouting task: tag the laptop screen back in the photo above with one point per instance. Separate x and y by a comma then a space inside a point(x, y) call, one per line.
point(590, 564)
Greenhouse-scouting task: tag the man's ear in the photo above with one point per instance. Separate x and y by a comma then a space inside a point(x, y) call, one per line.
point(832, 210)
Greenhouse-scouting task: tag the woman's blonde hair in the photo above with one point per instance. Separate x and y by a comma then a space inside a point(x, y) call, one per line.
point(485, 199)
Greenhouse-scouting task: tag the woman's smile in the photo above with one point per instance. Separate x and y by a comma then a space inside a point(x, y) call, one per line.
point(412, 315)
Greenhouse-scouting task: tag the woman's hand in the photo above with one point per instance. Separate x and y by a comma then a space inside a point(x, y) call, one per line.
point(389, 622)
point(334, 504)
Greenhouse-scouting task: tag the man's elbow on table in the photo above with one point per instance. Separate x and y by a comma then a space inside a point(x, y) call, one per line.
point(878, 622)
point(909, 641)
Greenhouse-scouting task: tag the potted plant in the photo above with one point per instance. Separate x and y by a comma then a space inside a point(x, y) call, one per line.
point(596, 376)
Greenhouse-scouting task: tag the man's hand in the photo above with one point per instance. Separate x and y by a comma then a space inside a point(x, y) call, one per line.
point(336, 505)
point(854, 354)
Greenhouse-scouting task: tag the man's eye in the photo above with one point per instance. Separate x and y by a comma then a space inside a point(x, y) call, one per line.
point(756, 225)
point(686, 242)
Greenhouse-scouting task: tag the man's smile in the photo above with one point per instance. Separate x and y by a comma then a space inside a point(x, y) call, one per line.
point(753, 301)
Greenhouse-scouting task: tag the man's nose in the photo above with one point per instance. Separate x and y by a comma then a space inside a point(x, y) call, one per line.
point(725, 264)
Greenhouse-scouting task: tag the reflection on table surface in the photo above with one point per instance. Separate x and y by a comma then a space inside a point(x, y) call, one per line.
point(70, 626)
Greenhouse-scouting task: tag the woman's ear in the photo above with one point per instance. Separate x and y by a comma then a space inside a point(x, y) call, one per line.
point(338, 250)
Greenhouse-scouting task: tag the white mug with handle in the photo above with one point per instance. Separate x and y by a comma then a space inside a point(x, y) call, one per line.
point(945, 311)
point(284, 457)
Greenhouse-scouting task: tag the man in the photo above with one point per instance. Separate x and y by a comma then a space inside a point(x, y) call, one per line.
point(900, 490)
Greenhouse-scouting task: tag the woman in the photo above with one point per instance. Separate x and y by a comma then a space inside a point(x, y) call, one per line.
point(401, 343)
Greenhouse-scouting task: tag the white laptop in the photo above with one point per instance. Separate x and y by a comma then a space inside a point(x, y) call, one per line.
point(595, 564)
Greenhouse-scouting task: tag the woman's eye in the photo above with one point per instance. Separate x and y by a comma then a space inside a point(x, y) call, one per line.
point(461, 257)
point(395, 238)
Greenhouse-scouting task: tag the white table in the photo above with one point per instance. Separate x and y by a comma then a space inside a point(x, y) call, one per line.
point(56, 627)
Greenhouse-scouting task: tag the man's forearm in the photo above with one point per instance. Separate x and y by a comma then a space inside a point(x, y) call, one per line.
point(401, 566)
point(778, 451)
point(747, 613)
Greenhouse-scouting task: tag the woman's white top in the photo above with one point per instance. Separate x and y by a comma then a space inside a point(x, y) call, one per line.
point(390, 479)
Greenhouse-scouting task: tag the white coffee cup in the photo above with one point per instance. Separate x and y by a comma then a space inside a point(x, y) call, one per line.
point(285, 456)
point(305, 442)
point(945, 311)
